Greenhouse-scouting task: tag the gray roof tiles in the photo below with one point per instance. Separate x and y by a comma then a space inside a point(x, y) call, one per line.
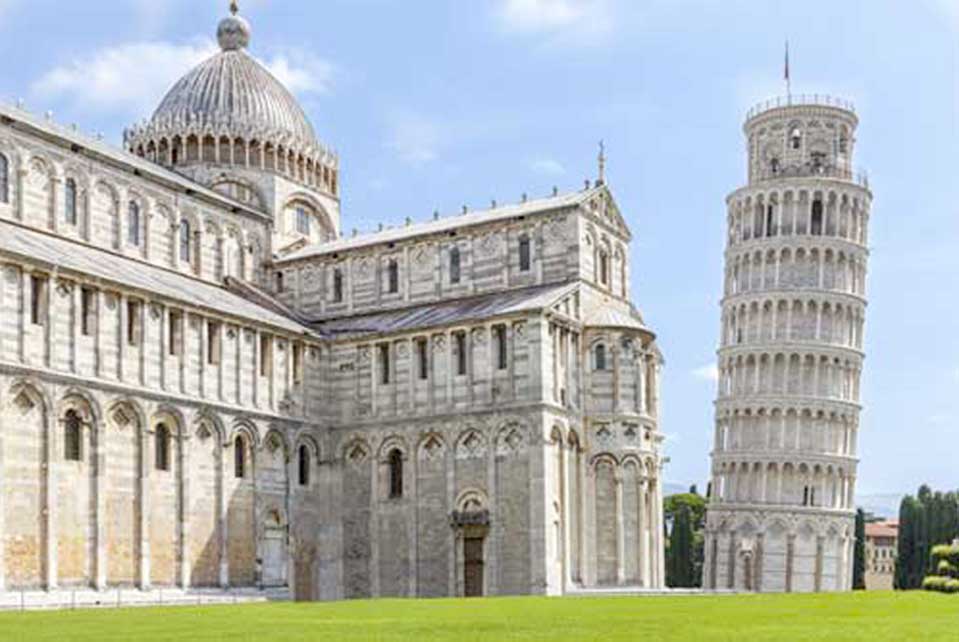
point(72, 256)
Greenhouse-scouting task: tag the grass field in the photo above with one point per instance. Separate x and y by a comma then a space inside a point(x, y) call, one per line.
point(745, 618)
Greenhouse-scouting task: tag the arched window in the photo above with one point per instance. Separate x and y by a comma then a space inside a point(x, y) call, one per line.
point(302, 221)
point(70, 202)
point(795, 138)
point(603, 267)
point(304, 465)
point(162, 447)
point(133, 223)
point(455, 265)
point(337, 285)
point(843, 141)
point(4, 179)
point(396, 474)
point(600, 357)
point(393, 276)
point(524, 254)
point(817, 218)
point(72, 433)
point(185, 241)
point(770, 220)
point(239, 457)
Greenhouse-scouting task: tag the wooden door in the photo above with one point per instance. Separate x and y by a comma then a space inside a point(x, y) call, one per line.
point(473, 567)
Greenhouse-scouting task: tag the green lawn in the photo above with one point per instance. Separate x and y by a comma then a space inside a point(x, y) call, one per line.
point(746, 618)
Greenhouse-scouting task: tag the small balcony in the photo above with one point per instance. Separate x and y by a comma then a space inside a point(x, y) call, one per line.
point(800, 100)
point(810, 170)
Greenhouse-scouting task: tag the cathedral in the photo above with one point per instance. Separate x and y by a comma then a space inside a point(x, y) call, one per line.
point(206, 385)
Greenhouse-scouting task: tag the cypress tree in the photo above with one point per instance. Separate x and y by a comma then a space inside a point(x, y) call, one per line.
point(859, 557)
point(680, 556)
point(906, 546)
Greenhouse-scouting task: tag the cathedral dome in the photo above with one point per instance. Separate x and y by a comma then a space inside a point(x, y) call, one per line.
point(230, 110)
point(233, 92)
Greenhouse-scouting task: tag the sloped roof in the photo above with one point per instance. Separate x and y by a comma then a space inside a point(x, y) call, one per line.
point(33, 245)
point(882, 529)
point(446, 313)
point(477, 217)
point(610, 317)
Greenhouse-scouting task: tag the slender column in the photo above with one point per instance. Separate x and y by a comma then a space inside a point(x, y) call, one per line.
point(819, 563)
point(99, 461)
point(146, 452)
point(21, 197)
point(186, 568)
point(731, 562)
point(51, 448)
point(644, 563)
point(790, 556)
point(374, 533)
point(222, 508)
point(658, 525)
point(620, 532)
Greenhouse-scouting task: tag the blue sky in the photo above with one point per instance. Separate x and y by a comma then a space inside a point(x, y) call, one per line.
point(435, 104)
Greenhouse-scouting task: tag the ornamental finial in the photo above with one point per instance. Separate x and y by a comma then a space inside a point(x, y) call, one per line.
point(602, 163)
point(234, 7)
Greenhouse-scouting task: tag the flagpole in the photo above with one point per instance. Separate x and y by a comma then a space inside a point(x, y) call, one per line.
point(789, 92)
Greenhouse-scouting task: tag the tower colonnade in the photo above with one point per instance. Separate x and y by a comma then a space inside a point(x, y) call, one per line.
point(781, 509)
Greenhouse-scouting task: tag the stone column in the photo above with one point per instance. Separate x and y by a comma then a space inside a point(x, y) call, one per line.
point(620, 531)
point(731, 562)
point(819, 563)
point(146, 440)
point(186, 569)
point(55, 183)
point(222, 508)
point(99, 459)
point(658, 525)
point(790, 557)
point(760, 540)
point(50, 509)
point(643, 523)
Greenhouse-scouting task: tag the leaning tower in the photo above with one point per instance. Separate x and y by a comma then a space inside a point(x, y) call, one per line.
point(781, 507)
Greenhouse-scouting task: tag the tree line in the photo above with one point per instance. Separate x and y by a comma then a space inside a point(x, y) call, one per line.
point(926, 520)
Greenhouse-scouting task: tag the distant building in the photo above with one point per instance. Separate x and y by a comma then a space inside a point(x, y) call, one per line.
point(882, 538)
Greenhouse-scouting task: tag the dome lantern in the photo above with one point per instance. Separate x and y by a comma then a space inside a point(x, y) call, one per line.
point(234, 32)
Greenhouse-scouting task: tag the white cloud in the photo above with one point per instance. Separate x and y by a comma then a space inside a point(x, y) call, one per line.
point(571, 21)
point(547, 166)
point(302, 73)
point(707, 373)
point(414, 138)
point(125, 78)
point(132, 78)
point(950, 8)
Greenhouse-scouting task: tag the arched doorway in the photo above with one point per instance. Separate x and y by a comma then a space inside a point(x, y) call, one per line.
point(471, 527)
point(274, 549)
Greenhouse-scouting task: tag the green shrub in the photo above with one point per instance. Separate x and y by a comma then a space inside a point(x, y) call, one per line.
point(934, 583)
point(945, 569)
point(951, 586)
point(944, 553)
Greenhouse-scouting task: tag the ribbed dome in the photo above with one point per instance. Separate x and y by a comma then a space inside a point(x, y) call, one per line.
point(233, 93)
point(230, 111)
